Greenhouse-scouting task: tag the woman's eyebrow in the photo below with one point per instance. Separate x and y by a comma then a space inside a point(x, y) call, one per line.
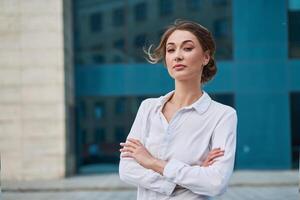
point(185, 41)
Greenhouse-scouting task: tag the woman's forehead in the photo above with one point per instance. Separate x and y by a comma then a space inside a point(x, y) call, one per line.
point(181, 36)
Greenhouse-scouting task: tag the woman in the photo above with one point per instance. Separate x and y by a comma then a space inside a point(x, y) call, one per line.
point(181, 145)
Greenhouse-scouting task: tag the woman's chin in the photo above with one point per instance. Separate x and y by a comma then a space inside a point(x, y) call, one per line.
point(181, 78)
point(184, 77)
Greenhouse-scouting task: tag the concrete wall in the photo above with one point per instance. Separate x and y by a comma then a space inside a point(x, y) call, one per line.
point(33, 85)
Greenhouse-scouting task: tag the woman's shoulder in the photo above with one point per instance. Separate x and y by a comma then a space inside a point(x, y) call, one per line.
point(223, 108)
point(150, 102)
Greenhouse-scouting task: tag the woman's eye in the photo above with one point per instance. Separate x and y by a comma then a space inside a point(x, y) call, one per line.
point(170, 50)
point(188, 48)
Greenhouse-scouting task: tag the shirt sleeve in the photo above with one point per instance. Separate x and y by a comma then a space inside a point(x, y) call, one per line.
point(211, 180)
point(133, 173)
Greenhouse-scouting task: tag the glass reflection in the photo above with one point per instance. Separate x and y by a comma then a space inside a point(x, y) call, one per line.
point(116, 31)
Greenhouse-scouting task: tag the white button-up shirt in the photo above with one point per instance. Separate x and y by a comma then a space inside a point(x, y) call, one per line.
point(184, 143)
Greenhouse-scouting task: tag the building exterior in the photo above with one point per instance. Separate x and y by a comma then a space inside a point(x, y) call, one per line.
point(52, 126)
point(257, 58)
point(36, 89)
point(116, 31)
point(111, 35)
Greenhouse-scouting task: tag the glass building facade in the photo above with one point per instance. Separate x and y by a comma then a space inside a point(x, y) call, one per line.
point(258, 68)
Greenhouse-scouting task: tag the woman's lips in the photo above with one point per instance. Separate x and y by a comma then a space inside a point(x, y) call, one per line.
point(179, 67)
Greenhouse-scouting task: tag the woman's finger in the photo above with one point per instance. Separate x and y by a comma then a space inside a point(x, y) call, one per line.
point(127, 155)
point(210, 155)
point(214, 156)
point(207, 163)
point(211, 162)
point(214, 151)
point(137, 142)
point(128, 144)
point(127, 149)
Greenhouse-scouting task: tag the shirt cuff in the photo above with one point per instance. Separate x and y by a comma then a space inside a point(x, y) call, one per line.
point(164, 186)
point(172, 167)
point(167, 188)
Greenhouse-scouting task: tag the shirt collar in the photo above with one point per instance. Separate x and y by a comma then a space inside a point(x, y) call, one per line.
point(201, 105)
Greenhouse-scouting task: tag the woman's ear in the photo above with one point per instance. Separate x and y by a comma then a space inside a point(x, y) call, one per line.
point(206, 57)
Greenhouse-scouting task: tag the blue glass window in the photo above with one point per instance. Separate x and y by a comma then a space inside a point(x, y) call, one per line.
point(100, 135)
point(96, 22)
point(116, 40)
point(221, 28)
point(226, 98)
point(120, 105)
point(140, 12)
point(295, 139)
point(98, 59)
point(219, 2)
point(119, 44)
point(294, 30)
point(82, 109)
point(117, 59)
point(119, 17)
point(193, 5)
point(120, 134)
point(99, 110)
point(140, 40)
point(166, 7)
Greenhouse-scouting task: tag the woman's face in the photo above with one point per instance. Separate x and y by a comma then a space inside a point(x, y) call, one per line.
point(185, 57)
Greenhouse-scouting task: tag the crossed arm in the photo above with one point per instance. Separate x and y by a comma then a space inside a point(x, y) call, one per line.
point(144, 166)
point(133, 148)
point(139, 167)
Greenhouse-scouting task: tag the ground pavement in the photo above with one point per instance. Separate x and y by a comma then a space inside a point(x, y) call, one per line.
point(244, 185)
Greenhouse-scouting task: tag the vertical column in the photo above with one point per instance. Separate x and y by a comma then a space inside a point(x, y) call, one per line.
point(69, 86)
point(10, 90)
point(33, 96)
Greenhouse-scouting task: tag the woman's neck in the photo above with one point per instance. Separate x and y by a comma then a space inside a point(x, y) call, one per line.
point(185, 94)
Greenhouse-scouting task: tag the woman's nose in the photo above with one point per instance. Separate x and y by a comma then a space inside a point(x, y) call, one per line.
point(178, 56)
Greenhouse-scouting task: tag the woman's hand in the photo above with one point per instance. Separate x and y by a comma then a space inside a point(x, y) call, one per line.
point(212, 155)
point(135, 149)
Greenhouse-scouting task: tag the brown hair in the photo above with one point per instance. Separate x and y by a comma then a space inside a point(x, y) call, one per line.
point(204, 37)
